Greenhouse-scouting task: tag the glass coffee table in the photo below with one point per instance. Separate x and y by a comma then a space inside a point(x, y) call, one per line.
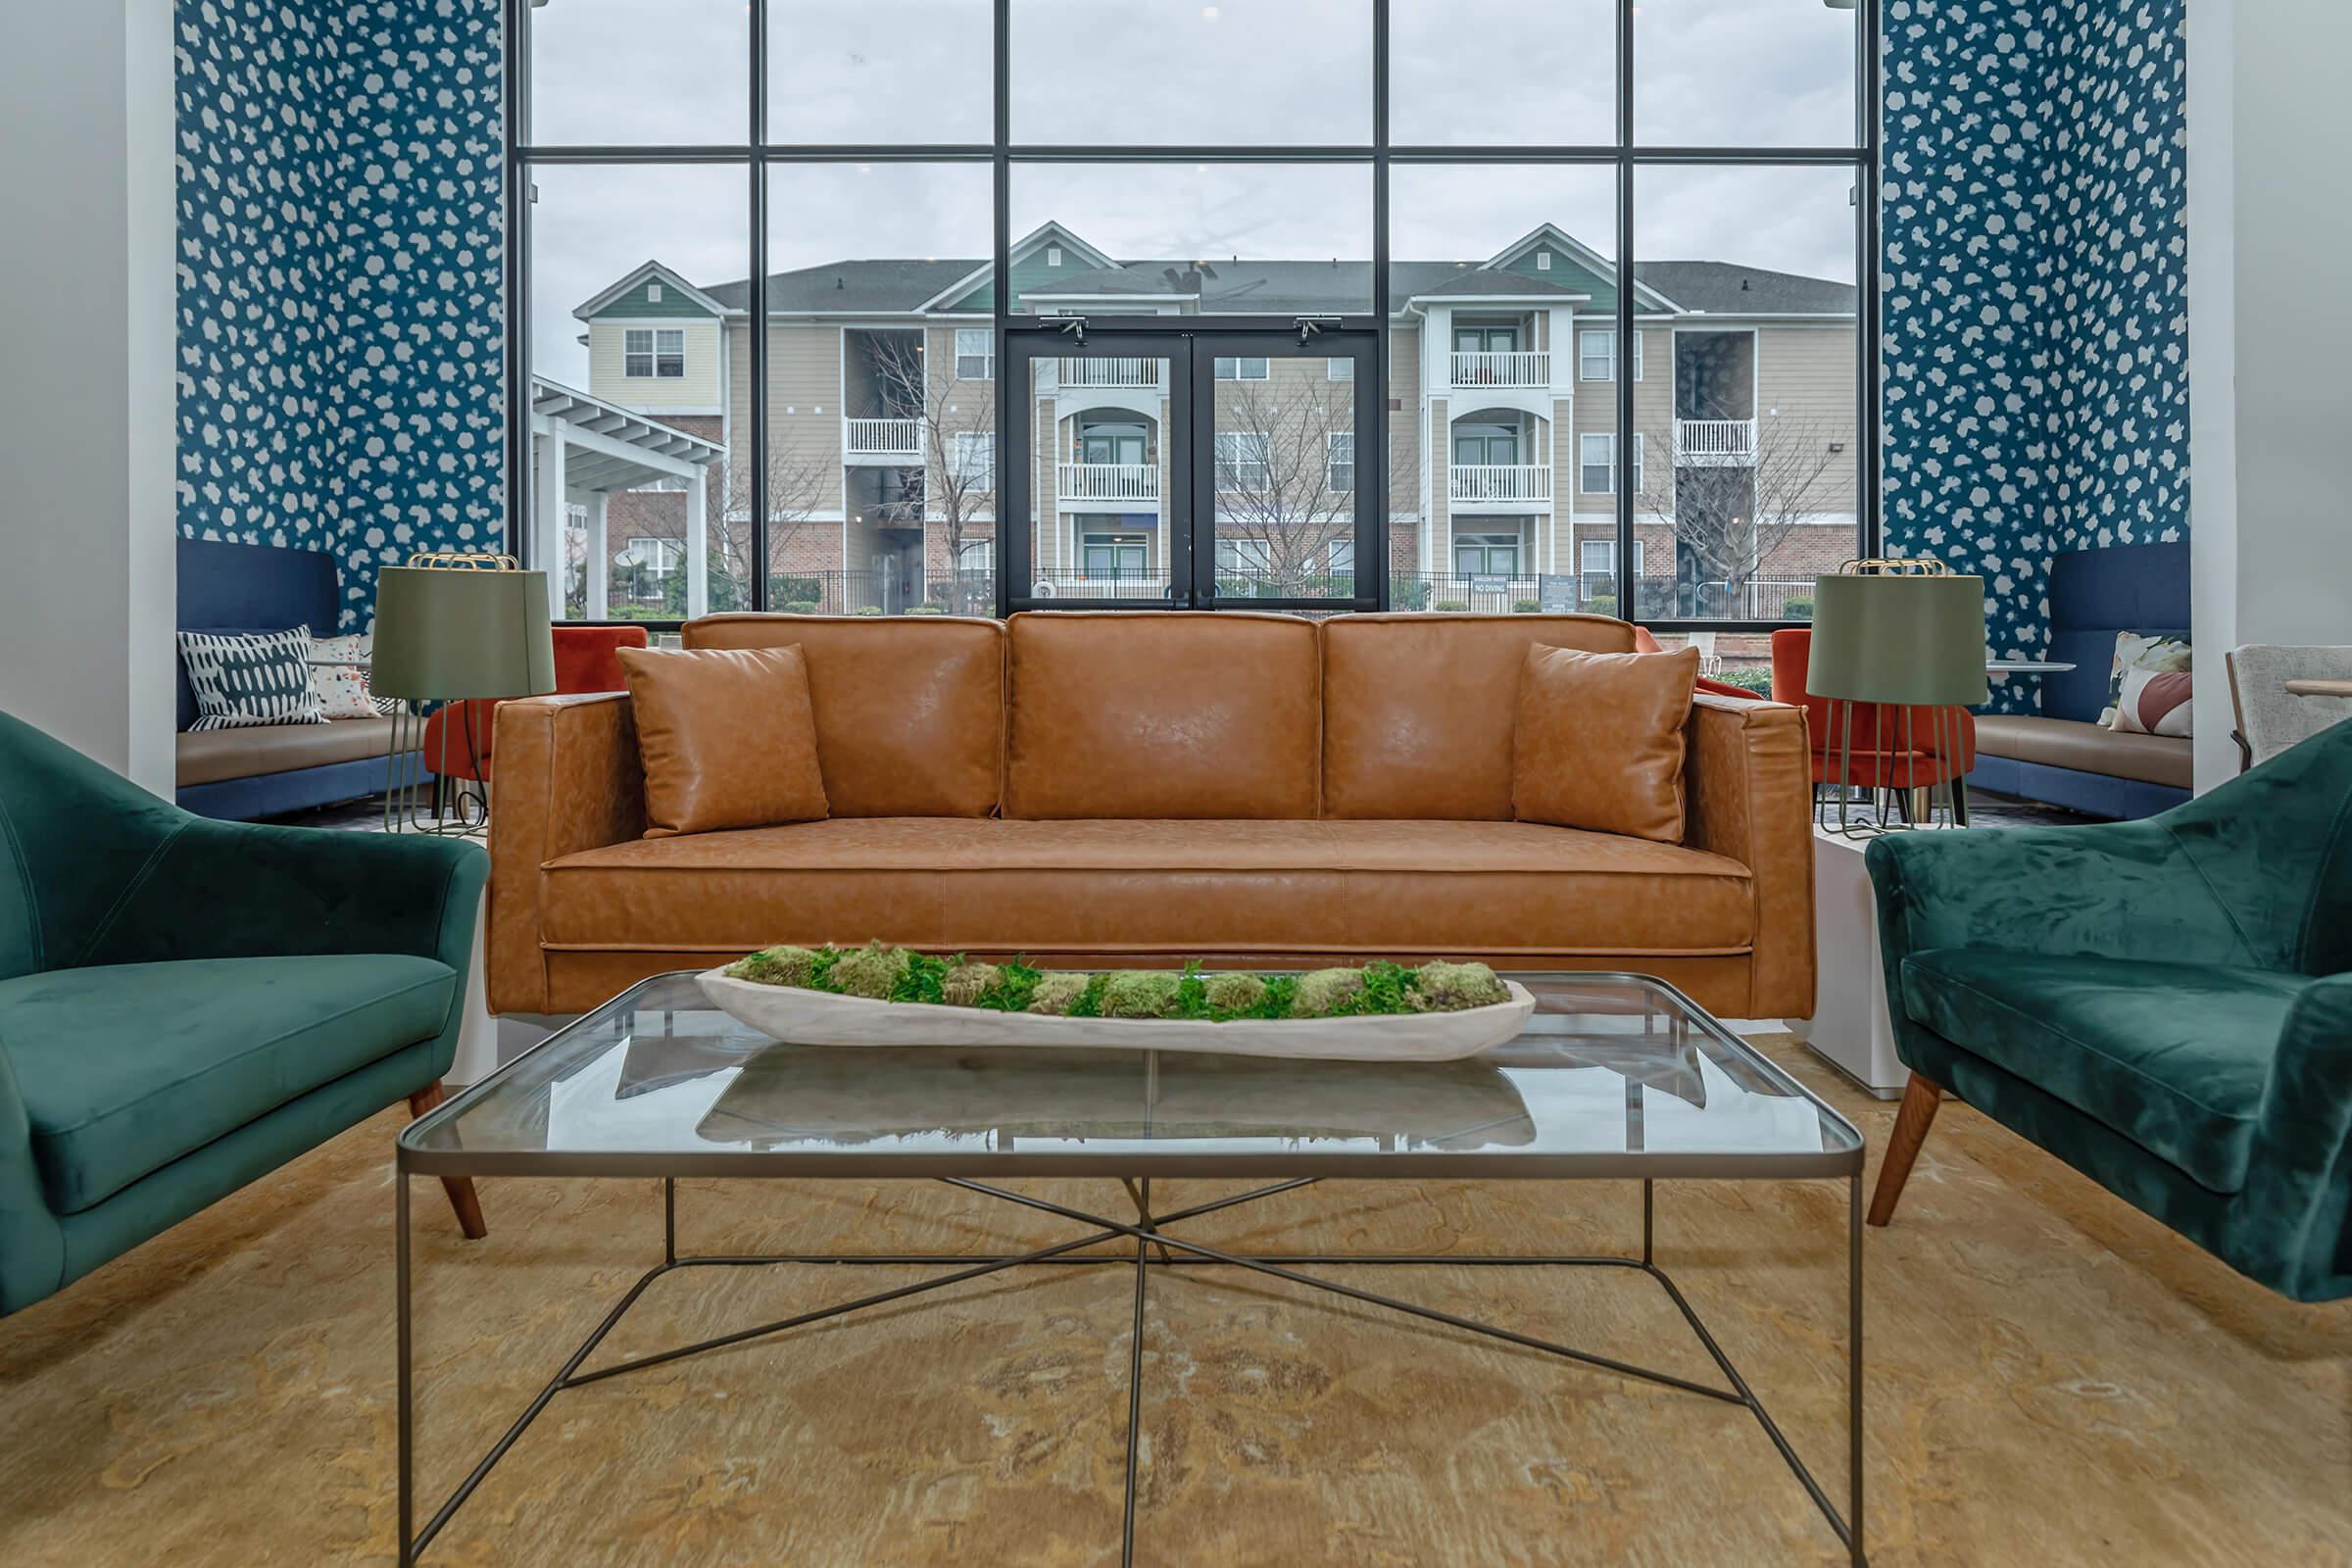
point(1616, 1076)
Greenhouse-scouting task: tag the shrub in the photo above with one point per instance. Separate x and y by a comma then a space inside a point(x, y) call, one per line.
point(1450, 604)
point(791, 590)
point(1757, 680)
point(1411, 594)
point(1525, 607)
point(801, 607)
point(926, 609)
point(1798, 608)
point(867, 609)
point(1601, 605)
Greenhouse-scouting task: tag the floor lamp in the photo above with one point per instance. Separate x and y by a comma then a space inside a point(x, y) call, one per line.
point(1904, 639)
point(451, 627)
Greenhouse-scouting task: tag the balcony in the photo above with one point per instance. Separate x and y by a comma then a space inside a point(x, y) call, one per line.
point(1116, 372)
point(1498, 484)
point(1107, 481)
point(1714, 443)
point(882, 440)
point(1526, 368)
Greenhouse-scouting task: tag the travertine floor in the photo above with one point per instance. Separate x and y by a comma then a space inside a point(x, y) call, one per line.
point(2053, 1379)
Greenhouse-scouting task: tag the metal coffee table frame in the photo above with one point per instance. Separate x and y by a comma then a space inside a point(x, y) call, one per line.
point(1155, 1247)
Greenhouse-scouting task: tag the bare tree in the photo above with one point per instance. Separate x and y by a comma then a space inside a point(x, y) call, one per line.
point(1286, 488)
point(957, 421)
point(1732, 499)
point(801, 482)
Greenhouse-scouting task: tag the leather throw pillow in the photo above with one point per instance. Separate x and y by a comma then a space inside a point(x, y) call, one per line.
point(727, 735)
point(1599, 740)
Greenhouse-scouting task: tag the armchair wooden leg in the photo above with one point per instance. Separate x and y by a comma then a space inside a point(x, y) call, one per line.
point(461, 1196)
point(1921, 1099)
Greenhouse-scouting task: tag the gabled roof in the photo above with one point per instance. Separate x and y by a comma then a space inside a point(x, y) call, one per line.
point(651, 271)
point(904, 286)
point(1726, 288)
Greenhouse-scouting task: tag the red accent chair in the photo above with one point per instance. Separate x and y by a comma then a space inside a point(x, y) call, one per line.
point(587, 660)
point(1880, 755)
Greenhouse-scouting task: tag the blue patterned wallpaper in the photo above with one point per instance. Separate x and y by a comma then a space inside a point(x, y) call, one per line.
point(2036, 393)
point(341, 307)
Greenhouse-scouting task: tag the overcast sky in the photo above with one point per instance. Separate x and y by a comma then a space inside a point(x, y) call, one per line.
point(1711, 72)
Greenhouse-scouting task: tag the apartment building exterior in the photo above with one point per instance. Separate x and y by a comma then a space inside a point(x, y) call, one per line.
point(1504, 463)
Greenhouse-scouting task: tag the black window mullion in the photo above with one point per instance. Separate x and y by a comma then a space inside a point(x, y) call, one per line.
point(1622, 347)
point(756, 304)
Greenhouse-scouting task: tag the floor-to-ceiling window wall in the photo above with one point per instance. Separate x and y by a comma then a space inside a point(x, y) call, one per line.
point(1612, 253)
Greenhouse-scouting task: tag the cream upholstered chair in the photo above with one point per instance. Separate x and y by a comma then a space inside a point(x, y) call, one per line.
point(2270, 717)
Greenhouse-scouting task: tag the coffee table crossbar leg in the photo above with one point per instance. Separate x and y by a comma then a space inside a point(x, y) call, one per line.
point(1150, 1236)
point(1368, 1297)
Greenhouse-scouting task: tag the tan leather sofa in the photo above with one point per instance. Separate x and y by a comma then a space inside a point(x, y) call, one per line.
point(1132, 790)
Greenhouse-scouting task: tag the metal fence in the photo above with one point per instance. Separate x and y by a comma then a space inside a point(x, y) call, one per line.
point(885, 592)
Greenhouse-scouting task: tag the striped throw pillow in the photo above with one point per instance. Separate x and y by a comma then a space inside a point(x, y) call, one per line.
point(246, 679)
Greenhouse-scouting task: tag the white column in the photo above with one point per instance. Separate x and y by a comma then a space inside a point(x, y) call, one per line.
point(698, 546)
point(87, 605)
point(599, 557)
point(549, 526)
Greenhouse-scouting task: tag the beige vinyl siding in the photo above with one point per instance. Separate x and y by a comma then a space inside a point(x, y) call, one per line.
point(1404, 421)
point(1653, 394)
point(803, 375)
point(1807, 374)
point(697, 391)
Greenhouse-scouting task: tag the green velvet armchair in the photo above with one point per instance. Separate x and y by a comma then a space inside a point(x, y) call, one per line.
point(2164, 1004)
point(186, 1004)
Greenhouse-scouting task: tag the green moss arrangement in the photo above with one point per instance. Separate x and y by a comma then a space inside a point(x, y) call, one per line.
point(900, 975)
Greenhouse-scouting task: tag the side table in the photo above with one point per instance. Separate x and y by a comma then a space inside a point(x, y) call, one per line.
point(1849, 1027)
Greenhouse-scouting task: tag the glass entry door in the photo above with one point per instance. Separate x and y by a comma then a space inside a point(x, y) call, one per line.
point(1175, 466)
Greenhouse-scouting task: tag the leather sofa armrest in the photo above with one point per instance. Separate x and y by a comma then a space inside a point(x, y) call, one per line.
point(568, 779)
point(1749, 797)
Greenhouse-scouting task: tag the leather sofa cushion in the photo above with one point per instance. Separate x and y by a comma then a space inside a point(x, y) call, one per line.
point(124, 1068)
point(909, 709)
point(1419, 710)
point(726, 735)
point(2088, 747)
point(1599, 742)
point(1155, 888)
point(210, 757)
point(1215, 714)
point(2173, 1056)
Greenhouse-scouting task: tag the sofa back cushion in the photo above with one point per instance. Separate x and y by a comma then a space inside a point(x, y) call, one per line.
point(1419, 708)
point(1162, 714)
point(909, 709)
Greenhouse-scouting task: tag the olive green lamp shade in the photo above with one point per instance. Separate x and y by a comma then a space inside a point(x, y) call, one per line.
point(446, 634)
point(1901, 638)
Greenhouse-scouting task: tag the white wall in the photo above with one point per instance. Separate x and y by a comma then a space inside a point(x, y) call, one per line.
point(87, 587)
point(2270, 338)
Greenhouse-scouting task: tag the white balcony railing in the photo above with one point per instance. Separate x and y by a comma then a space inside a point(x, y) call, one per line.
point(1128, 373)
point(1491, 481)
point(1521, 367)
point(1714, 443)
point(882, 438)
point(1107, 482)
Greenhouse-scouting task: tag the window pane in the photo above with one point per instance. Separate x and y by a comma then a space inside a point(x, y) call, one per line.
point(1271, 72)
point(630, 268)
point(1750, 480)
point(1498, 271)
point(880, 70)
point(1102, 459)
point(1285, 480)
point(1502, 73)
point(880, 458)
point(1742, 74)
point(609, 74)
point(1188, 239)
